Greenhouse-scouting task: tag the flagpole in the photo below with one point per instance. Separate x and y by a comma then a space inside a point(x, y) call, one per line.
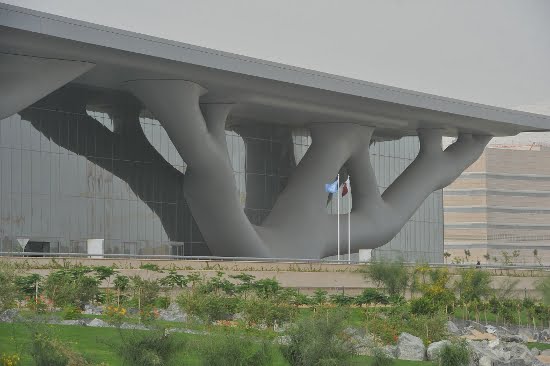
point(349, 222)
point(338, 204)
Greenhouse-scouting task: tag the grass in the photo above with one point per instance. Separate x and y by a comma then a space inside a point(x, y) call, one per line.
point(94, 343)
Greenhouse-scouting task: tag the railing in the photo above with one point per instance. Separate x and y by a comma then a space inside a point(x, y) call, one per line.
point(254, 259)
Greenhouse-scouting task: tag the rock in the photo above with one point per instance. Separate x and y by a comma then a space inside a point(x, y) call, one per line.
point(173, 314)
point(133, 326)
point(390, 350)
point(518, 338)
point(543, 336)
point(477, 326)
point(362, 342)
point(10, 316)
point(410, 348)
point(490, 329)
point(98, 323)
point(535, 351)
point(90, 309)
point(73, 322)
point(183, 330)
point(433, 349)
point(238, 316)
point(485, 361)
point(528, 333)
point(545, 352)
point(452, 328)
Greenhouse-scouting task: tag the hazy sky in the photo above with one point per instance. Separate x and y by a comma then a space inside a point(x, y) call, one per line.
point(494, 51)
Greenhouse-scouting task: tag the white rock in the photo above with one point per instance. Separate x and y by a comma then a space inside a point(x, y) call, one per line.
point(98, 323)
point(433, 349)
point(452, 328)
point(410, 348)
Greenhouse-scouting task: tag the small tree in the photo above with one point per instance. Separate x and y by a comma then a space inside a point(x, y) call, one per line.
point(487, 257)
point(446, 256)
point(121, 283)
point(467, 254)
point(8, 289)
point(392, 275)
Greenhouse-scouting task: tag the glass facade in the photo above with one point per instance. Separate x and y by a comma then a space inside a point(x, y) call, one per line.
point(84, 164)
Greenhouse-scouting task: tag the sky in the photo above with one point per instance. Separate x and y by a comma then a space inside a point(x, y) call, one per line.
point(494, 52)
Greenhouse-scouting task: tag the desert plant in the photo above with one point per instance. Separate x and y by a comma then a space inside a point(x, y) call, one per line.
point(318, 340)
point(151, 348)
point(392, 275)
point(454, 354)
point(235, 350)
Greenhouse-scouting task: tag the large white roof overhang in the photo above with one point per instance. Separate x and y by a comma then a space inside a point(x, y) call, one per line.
point(265, 92)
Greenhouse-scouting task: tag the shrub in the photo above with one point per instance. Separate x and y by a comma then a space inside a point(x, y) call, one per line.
point(48, 351)
point(144, 291)
point(392, 275)
point(265, 311)
point(209, 306)
point(371, 296)
point(474, 284)
point(341, 299)
point(8, 289)
point(381, 358)
point(235, 350)
point(115, 314)
point(28, 285)
point(387, 324)
point(10, 360)
point(149, 348)
point(71, 312)
point(423, 306)
point(318, 340)
point(454, 354)
point(71, 287)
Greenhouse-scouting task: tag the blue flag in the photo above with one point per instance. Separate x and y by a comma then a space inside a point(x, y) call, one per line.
point(332, 187)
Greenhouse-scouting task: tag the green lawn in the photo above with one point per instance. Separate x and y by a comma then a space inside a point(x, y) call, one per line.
point(95, 344)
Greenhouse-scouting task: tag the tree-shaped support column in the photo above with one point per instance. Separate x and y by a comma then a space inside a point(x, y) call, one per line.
point(298, 225)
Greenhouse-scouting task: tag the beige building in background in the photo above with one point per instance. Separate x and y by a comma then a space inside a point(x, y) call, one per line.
point(499, 208)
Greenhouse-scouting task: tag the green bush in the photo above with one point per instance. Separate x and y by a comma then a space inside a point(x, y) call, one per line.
point(341, 299)
point(235, 350)
point(392, 275)
point(474, 284)
point(265, 311)
point(380, 358)
point(144, 292)
point(27, 285)
point(49, 351)
point(388, 323)
point(318, 340)
point(423, 306)
point(454, 354)
point(8, 288)
point(71, 312)
point(71, 287)
point(148, 348)
point(208, 306)
point(371, 296)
